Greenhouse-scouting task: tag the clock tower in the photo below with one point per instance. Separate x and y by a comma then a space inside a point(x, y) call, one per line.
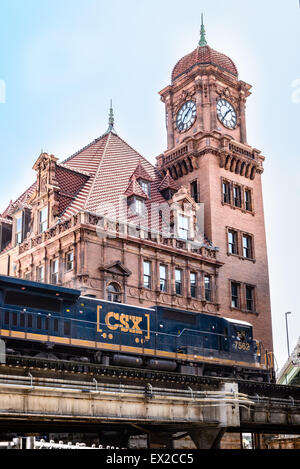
point(208, 153)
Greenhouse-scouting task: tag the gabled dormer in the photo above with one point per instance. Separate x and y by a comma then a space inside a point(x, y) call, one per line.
point(136, 197)
point(143, 178)
point(168, 186)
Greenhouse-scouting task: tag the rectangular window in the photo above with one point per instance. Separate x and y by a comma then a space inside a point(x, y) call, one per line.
point(139, 207)
point(19, 227)
point(27, 276)
point(194, 191)
point(163, 278)
point(248, 200)
point(183, 227)
point(247, 246)
point(207, 285)
point(193, 282)
point(237, 196)
point(178, 281)
point(40, 274)
point(232, 242)
point(250, 298)
point(226, 193)
point(147, 275)
point(54, 272)
point(145, 185)
point(69, 261)
point(235, 295)
point(43, 220)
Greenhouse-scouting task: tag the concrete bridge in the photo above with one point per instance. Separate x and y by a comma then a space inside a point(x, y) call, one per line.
point(38, 405)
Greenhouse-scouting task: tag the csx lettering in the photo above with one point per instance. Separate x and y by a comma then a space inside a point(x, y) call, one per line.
point(124, 322)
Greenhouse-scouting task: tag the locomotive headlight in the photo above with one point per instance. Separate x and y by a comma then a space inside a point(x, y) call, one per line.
point(161, 326)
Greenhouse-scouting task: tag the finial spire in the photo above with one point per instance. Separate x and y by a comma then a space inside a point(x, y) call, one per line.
point(111, 120)
point(202, 41)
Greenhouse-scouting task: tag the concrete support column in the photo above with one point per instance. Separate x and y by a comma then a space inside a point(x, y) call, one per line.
point(207, 438)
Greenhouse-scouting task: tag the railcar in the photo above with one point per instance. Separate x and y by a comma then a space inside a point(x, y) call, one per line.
point(58, 323)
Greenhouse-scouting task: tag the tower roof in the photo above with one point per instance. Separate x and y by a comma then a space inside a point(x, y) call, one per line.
point(204, 55)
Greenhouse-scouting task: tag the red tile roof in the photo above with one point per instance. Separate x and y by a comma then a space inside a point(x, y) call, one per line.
point(111, 163)
point(204, 56)
point(21, 201)
point(168, 183)
point(102, 174)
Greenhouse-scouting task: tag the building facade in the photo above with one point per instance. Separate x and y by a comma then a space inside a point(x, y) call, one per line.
point(187, 233)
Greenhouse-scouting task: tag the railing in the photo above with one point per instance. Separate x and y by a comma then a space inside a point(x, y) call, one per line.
point(112, 228)
point(202, 398)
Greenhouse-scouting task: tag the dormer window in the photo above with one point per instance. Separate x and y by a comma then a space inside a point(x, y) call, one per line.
point(43, 220)
point(137, 206)
point(145, 185)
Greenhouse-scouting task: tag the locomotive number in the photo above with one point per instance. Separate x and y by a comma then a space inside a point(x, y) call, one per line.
point(241, 346)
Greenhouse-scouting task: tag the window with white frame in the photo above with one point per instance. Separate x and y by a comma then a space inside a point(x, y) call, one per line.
point(183, 227)
point(147, 274)
point(193, 282)
point(163, 278)
point(19, 228)
point(40, 274)
point(43, 220)
point(139, 207)
point(145, 185)
point(69, 261)
point(178, 281)
point(54, 272)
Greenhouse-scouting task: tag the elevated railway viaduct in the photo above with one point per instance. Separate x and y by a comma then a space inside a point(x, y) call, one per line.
point(117, 404)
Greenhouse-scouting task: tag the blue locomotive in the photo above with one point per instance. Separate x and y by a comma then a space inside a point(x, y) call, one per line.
point(59, 323)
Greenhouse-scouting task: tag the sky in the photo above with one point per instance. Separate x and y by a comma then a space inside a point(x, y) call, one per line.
point(61, 61)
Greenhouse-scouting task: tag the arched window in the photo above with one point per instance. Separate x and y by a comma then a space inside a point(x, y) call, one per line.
point(114, 293)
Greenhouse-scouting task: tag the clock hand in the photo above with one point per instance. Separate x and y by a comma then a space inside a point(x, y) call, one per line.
point(226, 114)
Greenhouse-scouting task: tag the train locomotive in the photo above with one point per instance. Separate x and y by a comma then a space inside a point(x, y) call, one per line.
point(58, 323)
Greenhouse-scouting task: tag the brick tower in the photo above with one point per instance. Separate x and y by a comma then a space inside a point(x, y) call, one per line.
point(209, 154)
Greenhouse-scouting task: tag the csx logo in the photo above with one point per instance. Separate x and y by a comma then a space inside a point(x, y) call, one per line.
point(124, 322)
point(127, 323)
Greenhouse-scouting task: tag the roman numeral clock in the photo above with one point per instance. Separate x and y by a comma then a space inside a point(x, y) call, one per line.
point(226, 114)
point(186, 116)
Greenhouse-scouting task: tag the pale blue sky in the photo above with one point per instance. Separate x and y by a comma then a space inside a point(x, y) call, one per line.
point(62, 61)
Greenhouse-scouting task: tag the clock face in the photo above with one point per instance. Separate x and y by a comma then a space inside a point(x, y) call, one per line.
point(186, 116)
point(226, 114)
